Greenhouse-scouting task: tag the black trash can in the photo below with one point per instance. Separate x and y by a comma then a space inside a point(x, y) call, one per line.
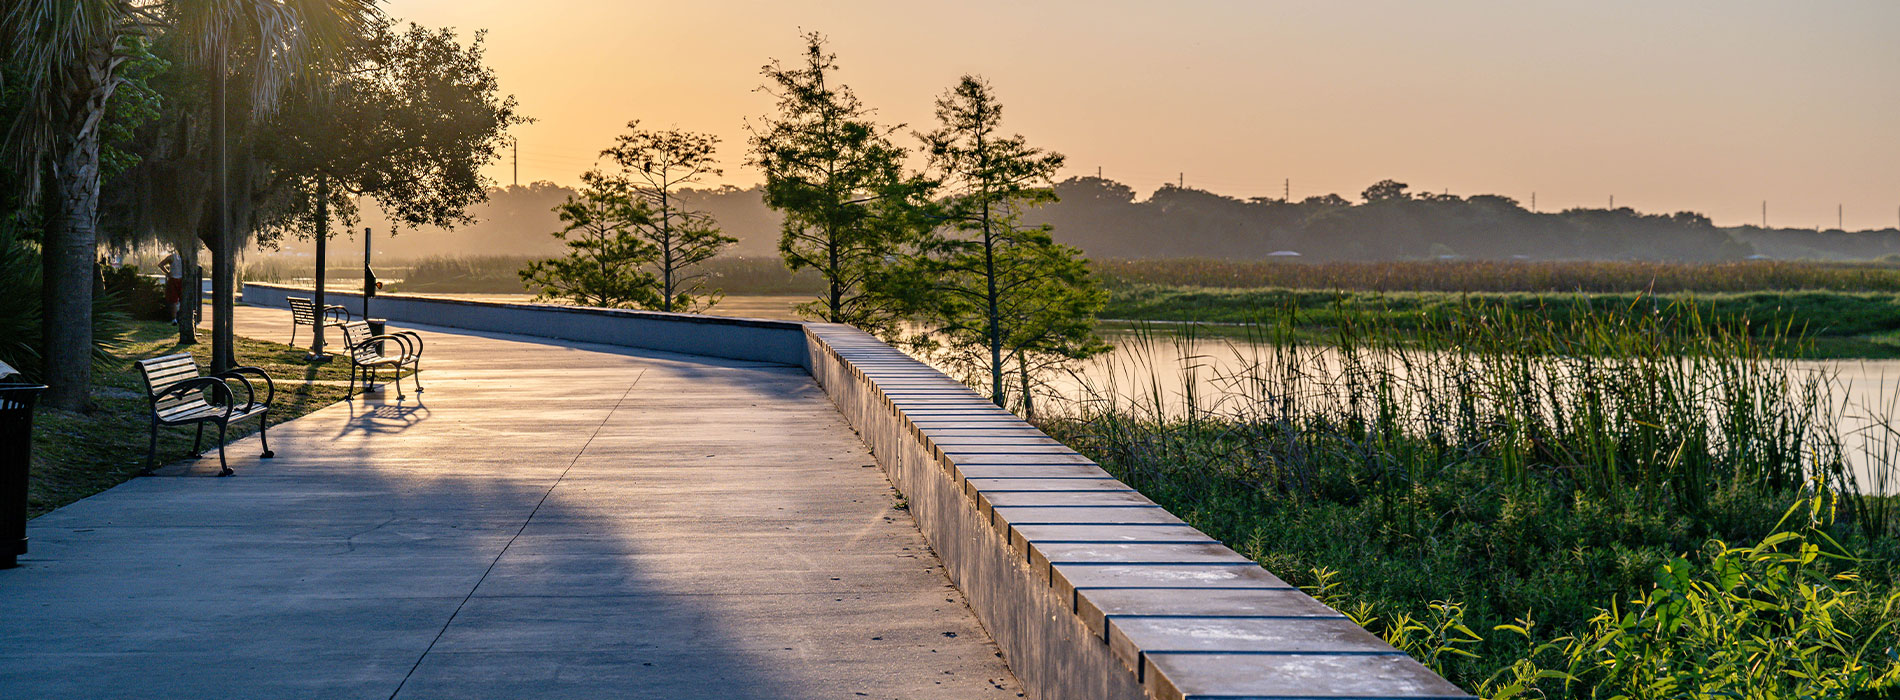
point(377, 326)
point(16, 451)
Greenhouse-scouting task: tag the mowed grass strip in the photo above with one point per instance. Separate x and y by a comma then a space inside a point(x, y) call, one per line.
point(76, 455)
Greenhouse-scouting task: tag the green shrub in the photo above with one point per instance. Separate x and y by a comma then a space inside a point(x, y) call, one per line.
point(140, 297)
point(20, 337)
point(1780, 619)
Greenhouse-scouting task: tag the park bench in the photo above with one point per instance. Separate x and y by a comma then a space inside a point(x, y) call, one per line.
point(369, 353)
point(303, 312)
point(181, 396)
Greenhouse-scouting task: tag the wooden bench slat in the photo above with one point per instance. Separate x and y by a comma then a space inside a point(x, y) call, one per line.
point(170, 376)
point(188, 407)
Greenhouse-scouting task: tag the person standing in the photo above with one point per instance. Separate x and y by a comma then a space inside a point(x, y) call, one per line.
point(174, 267)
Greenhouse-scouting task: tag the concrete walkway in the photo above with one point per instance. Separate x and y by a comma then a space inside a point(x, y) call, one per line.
point(546, 521)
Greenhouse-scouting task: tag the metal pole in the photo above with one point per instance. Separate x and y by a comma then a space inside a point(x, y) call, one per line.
point(317, 299)
point(369, 278)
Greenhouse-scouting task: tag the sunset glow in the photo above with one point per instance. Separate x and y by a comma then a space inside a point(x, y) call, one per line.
point(1706, 106)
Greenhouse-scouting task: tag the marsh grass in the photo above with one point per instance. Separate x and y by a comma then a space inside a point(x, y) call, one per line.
point(1596, 276)
point(1824, 323)
point(1458, 473)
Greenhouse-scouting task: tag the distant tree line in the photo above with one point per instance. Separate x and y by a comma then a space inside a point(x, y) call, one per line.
point(1108, 219)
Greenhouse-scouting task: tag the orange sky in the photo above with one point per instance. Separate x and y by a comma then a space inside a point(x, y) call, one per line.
point(1710, 105)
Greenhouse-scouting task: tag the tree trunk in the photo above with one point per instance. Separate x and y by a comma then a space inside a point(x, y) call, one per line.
point(191, 296)
point(71, 240)
point(1029, 405)
point(837, 288)
point(991, 316)
point(666, 249)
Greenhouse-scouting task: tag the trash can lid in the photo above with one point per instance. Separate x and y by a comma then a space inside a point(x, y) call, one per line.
point(7, 371)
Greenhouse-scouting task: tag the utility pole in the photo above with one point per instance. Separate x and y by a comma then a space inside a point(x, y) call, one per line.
point(1286, 191)
point(1533, 202)
point(1840, 217)
point(1612, 201)
point(1098, 172)
point(514, 144)
point(1182, 183)
point(1764, 213)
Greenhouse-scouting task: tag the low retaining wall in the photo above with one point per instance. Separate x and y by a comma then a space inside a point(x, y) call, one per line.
point(1092, 591)
point(761, 340)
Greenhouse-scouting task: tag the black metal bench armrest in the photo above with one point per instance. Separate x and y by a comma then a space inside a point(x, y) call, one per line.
point(415, 340)
point(399, 340)
point(186, 387)
point(410, 342)
point(336, 314)
point(250, 396)
point(403, 343)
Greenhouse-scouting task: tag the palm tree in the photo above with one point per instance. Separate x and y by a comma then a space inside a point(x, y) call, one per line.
point(67, 53)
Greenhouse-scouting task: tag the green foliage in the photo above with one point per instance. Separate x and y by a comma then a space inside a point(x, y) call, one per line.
point(607, 260)
point(654, 166)
point(1487, 467)
point(136, 102)
point(990, 290)
point(408, 122)
point(139, 297)
point(1780, 619)
point(839, 181)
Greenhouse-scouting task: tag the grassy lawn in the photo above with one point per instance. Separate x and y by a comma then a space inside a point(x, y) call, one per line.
point(77, 455)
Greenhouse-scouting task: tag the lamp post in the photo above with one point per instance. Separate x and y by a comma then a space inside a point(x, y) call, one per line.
point(323, 235)
point(369, 278)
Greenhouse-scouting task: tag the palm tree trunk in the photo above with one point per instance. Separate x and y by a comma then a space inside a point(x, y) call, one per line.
point(72, 238)
point(67, 294)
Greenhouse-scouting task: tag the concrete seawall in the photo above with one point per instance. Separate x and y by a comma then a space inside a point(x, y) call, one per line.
point(1092, 591)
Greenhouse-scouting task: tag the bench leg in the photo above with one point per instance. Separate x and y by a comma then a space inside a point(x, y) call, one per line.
point(224, 469)
point(351, 393)
point(263, 433)
point(151, 449)
point(198, 452)
point(415, 368)
point(293, 333)
point(397, 380)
